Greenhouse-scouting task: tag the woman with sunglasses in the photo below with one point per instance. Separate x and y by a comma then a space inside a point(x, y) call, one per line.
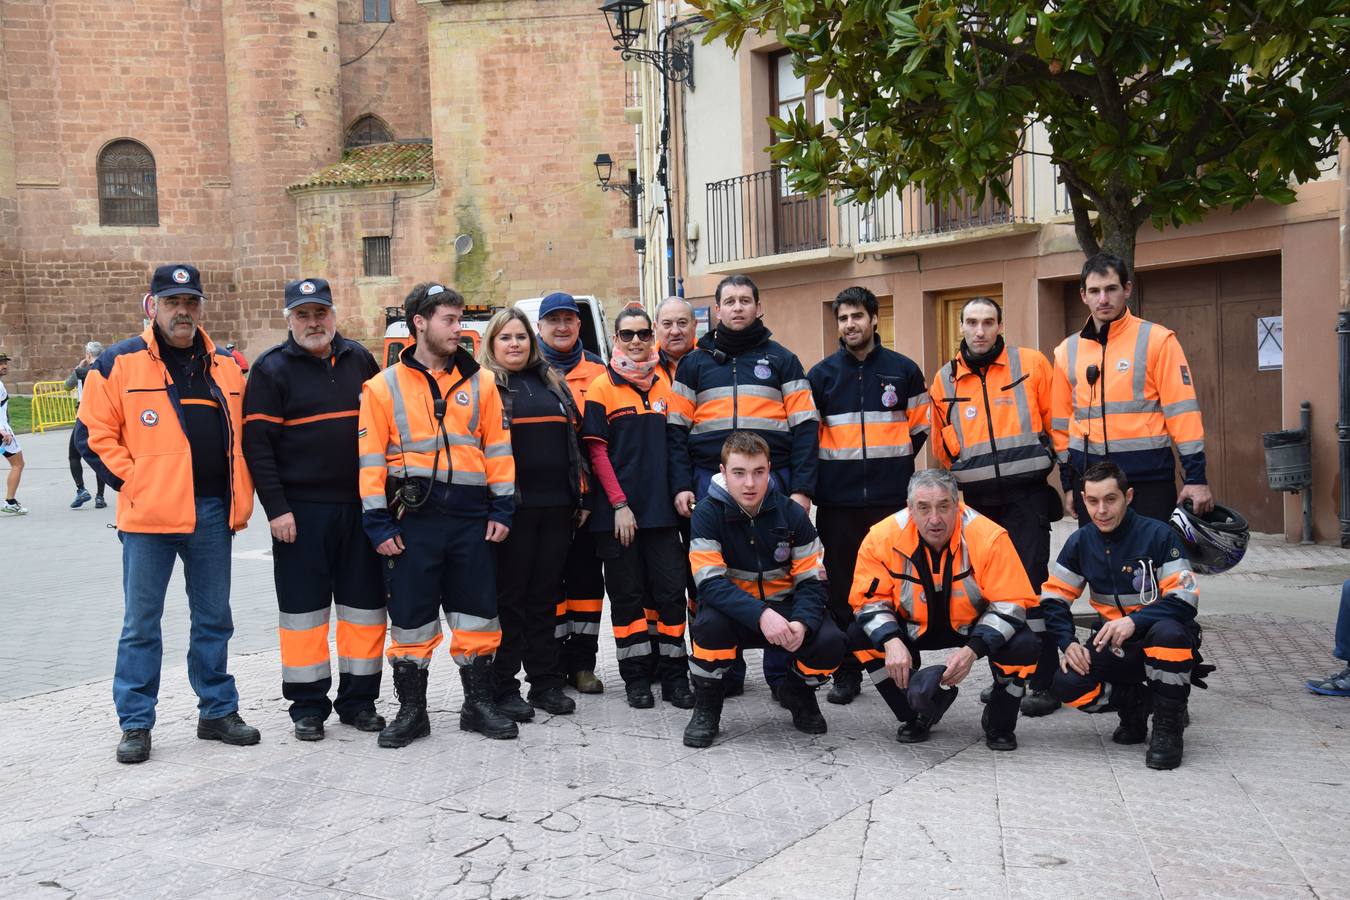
point(550, 486)
point(634, 522)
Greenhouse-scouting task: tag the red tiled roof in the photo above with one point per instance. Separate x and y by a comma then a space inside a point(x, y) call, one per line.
point(375, 164)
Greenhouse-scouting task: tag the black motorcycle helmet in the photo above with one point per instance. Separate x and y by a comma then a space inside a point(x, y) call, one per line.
point(1216, 541)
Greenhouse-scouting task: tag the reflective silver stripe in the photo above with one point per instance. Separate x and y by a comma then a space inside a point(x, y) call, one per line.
point(709, 425)
point(797, 418)
point(796, 384)
point(370, 461)
point(459, 621)
point(764, 391)
point(802, 551)
point(1175, 567)
point(832, 421)
point(432, 444)
point(874, 616)
point(704, 573)
point(1187, 448)
point(585, 628)
point(1102, 700)
point(419, 635)
point(879, 675)
point(400, 411)
point(497, 450)
point(674, 651)
point(500, 489)
point(1071, 351)
point(303, 621)
point(306, 674)
point(705, 545)
point(708, 668)
point(354, 666)
point(376, 502)
point(887, 451)
point(1190, 598)
point(1114, 407)
point(561, 630)
point(989, 620)
point(1181, 679)
point(1062, 456)
point(1048, 595)
point(1181, 406)
point(917, 401)
point(752, 423)
point(748, 575)
point(1059, 424)
point(677, 418)
point(709, 394)
point(1067, 575)
point(1139, 382)
point(643, 649)
point(1037, 625)
point(1009, 610)
point(1121, 445)
point(361, 616)
point(473, 399)
point(684, 391)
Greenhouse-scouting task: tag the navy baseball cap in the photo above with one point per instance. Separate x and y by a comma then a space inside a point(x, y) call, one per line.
point(558, 301)
point(176, 278)
point(927, 696)
point(308, 290)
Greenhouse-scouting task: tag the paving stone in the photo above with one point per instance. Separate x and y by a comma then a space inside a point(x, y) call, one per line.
point(1036, 883)
point(1192, 888)
point(1043, 848)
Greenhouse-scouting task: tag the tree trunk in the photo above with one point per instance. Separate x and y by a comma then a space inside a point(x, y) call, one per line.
point(1118, 238)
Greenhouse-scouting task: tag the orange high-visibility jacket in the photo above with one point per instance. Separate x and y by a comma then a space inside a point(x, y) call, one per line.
point(398, 438)
point(1140, 403)
point(130, 431)
point(989, 594)
point(991, 428)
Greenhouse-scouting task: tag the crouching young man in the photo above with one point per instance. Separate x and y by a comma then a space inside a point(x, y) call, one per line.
point(756, 561)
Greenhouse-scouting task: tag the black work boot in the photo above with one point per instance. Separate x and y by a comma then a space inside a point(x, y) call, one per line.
point(513, 706)
point(914, 731)
point(1039, 703)
point(707, 718)
point(999, 719)
point(799, 698)
point(552, 700)
point(364, 719)
point(847, 685)
point(639, 693)
point(479, 713)
point(134, 746)
point(411, 722)
point(228, 729)
point(1169, 721)
point(309, 728)
point(1131, 705)
point(675, 690)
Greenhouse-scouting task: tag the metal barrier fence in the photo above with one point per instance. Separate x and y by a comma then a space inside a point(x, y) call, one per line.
point(53, 405)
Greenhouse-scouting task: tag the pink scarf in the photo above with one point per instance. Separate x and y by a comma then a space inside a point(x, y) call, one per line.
point(640, 375)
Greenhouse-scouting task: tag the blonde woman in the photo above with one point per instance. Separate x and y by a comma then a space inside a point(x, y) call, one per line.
point(550, 487)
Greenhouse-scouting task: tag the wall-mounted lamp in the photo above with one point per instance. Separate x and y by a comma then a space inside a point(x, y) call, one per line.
point(604, 171)
point(624, 18)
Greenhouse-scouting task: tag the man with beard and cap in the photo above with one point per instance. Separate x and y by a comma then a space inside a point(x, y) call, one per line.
point(300, 422)
point(742, 381)
point(991, 429)
point(162, 423)
point(577, 623)
point(937, 575)
point(873, 407)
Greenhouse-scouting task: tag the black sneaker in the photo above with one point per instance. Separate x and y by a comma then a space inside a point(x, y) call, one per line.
point(229, 729)
point(134, 746)
point(100, 503)
point(309, 728)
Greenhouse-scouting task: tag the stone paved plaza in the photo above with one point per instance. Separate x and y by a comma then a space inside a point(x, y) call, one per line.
point(609, 803)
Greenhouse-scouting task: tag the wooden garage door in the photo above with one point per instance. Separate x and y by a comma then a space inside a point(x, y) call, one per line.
point(1213, 310)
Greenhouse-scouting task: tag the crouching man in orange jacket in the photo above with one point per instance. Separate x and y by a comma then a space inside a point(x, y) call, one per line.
point(934, 576)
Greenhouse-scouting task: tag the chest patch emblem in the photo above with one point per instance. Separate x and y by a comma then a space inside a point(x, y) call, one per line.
point(889, 398)
point(659, 406)
point(1122, 365)
point(149, 418)
point(782, 552)
point(970, 412)
point(762, 370)
point(462, 398)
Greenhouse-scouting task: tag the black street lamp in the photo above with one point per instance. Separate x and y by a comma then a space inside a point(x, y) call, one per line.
point(625, 21)
point(604, 171)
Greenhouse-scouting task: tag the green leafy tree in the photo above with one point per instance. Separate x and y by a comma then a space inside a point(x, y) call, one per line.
point(1156, 110)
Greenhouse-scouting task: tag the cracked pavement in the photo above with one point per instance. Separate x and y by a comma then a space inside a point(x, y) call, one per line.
point(609, 803)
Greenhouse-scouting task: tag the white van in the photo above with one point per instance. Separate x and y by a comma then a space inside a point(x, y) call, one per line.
point(594, 328)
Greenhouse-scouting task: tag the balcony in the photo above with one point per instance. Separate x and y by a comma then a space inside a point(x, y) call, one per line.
point(756, 222)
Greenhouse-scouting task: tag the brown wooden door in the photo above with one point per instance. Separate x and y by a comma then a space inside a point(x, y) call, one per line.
point(1251, 405)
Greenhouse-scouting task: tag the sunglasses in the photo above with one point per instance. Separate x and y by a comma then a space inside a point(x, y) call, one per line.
point(642, 334)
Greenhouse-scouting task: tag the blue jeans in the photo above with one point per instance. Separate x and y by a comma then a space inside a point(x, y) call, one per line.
point(147, 563)
point(1342, 650)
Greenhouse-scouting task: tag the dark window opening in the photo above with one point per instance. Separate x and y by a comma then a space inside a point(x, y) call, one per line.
point(634, 198)
point(376, 253)
point(368, 130)
point(128, 193)
point(376, 11)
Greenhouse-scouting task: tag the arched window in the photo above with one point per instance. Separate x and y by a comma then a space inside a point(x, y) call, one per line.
point(368, 130)
point(127, 192)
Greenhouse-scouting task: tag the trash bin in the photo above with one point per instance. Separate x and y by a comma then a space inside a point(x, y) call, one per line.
point(1288, 459)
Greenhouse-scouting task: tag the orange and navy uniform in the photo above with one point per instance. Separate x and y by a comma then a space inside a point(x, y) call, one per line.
point(626, 427)
point(763, 390)
point(981, 580)
point(1139, 570)
point(746, 564)
point(466, 476)
point(132, 431)
point(1124, 391)
point(991, 424)
point(873, 421)
point(300, 421)
point(577, 618)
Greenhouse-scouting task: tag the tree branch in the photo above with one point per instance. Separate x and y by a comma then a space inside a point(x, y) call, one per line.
point(1082, 222)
